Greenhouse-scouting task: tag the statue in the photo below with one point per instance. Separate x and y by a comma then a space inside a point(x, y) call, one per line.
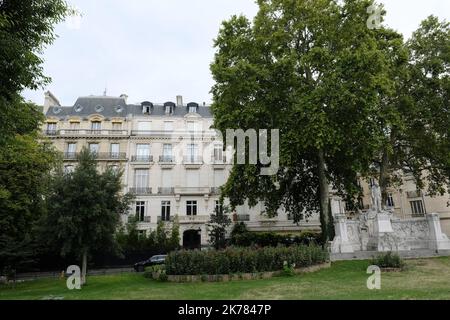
point(376, 198)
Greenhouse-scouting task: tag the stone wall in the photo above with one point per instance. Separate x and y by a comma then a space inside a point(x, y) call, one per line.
point(380, 231)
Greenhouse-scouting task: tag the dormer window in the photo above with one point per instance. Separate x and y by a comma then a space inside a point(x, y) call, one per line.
point(192, 107)
point(146, 107)
point(169, 108)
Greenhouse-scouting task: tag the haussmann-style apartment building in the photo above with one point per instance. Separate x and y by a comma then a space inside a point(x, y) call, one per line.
point(174, 163)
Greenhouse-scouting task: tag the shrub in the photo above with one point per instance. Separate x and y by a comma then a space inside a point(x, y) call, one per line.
point(288, 269)
point(388, 260)
point(234, 260)
point(243, 238)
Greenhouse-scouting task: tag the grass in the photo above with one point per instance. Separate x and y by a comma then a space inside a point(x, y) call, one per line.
point(422, 279)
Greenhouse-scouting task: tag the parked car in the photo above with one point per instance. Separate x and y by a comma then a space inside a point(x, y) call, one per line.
point(154, 260)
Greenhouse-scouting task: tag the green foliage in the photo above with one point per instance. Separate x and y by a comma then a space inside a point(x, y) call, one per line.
point(388, 260)
point(217, 226)
point(245, 260)
point(26, 28)
point(25, 166)
point(84, 209)
point(313, 70)
point(288, 269)
point(266, 239)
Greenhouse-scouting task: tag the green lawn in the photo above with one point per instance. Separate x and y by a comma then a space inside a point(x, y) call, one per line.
point(423, 279)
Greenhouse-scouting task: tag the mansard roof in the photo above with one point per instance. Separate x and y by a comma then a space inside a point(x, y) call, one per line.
point(117, 107)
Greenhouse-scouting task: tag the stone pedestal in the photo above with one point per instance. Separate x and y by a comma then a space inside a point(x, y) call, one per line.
point(381, 233)
point(438, 239)
point(341, 243)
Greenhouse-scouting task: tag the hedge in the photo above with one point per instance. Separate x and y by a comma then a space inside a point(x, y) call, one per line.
point(242, 260)
point(266, 239)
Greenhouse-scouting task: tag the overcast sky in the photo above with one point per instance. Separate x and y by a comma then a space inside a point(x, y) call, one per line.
point(157, 49)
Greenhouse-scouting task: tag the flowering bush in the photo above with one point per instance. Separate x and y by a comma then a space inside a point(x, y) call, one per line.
point(242, 260)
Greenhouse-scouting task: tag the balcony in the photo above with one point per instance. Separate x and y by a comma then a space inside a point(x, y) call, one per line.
point(159, 218)
point(215, 190)
point(175, 134)
point(166, 191)
point(70, 155)
point(194, 219)
point(111, 156)
point(242, 217)
point(85, 132)
point(192, 162)
point(166, 161)
point(142, 159)
point(141, 191)
point(191, 190)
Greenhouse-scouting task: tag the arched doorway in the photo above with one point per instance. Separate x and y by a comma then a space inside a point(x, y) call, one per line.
point(191, 239)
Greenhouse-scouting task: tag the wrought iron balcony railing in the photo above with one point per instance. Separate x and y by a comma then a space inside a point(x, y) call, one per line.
point(218, 160)
point(141, 191)
point(192, 159)
point(166, 159)
point(243, 217)
point(142, 158)
point(166, 191)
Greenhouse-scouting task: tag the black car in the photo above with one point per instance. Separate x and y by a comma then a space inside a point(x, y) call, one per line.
point(154, 260)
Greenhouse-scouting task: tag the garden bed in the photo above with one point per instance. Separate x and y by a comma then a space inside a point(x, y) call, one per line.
point(238, 276)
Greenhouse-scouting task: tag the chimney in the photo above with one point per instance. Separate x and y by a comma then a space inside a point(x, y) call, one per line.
point(124, 97)
point(49, 101)
point(179, 101)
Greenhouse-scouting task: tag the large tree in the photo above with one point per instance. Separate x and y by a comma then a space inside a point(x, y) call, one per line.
point(314, 70)
point(416, 115)
point(84, 209)
point(26, 28)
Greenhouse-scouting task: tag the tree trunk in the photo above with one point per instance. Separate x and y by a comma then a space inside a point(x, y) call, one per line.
point(84, 267)
point(384, 176)
point(324, 198)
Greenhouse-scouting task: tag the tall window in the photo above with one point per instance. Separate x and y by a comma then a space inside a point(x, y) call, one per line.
point(141, 178)
point(168, 126)
point(165, 210)
point(218, 152)
point(96, 126)
point(71, 150)
point(142, 152)
point(192, 151)
point(417, 207)
point(192, 109)
point(191, 208)
point(74, 125)
point(140, 211)
point(51, 128)
point(93, 148)
point(168, 109)
point(117, 126)
point(218, 207)
point(167, 152)
point(390, 200)
point(115, 150)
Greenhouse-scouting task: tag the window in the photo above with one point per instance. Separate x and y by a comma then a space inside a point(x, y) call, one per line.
point(168, 109)
point(68, 169)
point(191, 208)
point(140, 211)
point(218, 207)
point(93, 148)
point(371, 182)
point(168, 126)
point(192, 152)
point(218, 152)
point(117, 126)
point(165, 210)
point(146, 109)
point(141, 178)
point(142, 152)
point(115, 150)
point(192, 109)
point(74, 125)
point(191, 126)
point(390, 201)
point(417, 207)
point(167, 152)
point(71, 150)
point(96, 126)
point(51, 128)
